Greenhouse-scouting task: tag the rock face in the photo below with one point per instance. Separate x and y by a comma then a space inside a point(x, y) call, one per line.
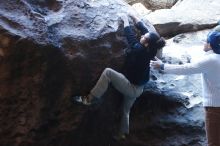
point(186, 16)
point(52, 50)
point(160, 4)
point(154, 4)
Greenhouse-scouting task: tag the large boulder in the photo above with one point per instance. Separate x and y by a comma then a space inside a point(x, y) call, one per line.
point(160, 4)
point(186, 16)
point(52, 50)
point(154, 4)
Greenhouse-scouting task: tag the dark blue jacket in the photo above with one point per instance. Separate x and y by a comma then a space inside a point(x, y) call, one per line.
point(137, 62)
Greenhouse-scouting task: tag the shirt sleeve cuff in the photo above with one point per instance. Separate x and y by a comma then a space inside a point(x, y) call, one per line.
point(162, 66)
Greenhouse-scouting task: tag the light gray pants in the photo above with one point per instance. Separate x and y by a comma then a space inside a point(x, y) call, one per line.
point(123, 85)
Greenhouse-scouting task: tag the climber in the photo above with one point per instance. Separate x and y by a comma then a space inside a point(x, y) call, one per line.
point(135, 74)
point(209, 66)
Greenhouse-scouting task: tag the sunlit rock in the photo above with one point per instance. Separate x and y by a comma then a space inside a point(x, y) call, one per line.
point(185, 16)
point(154, 4)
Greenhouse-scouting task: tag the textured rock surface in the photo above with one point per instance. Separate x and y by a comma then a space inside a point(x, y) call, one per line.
point(154, 4)
point(51, 50)
point(186, 16)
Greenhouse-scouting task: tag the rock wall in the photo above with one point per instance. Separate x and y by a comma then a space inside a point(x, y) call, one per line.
point(186, 16)
point(48, 54)
point(154, 4)
point(52, 50)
